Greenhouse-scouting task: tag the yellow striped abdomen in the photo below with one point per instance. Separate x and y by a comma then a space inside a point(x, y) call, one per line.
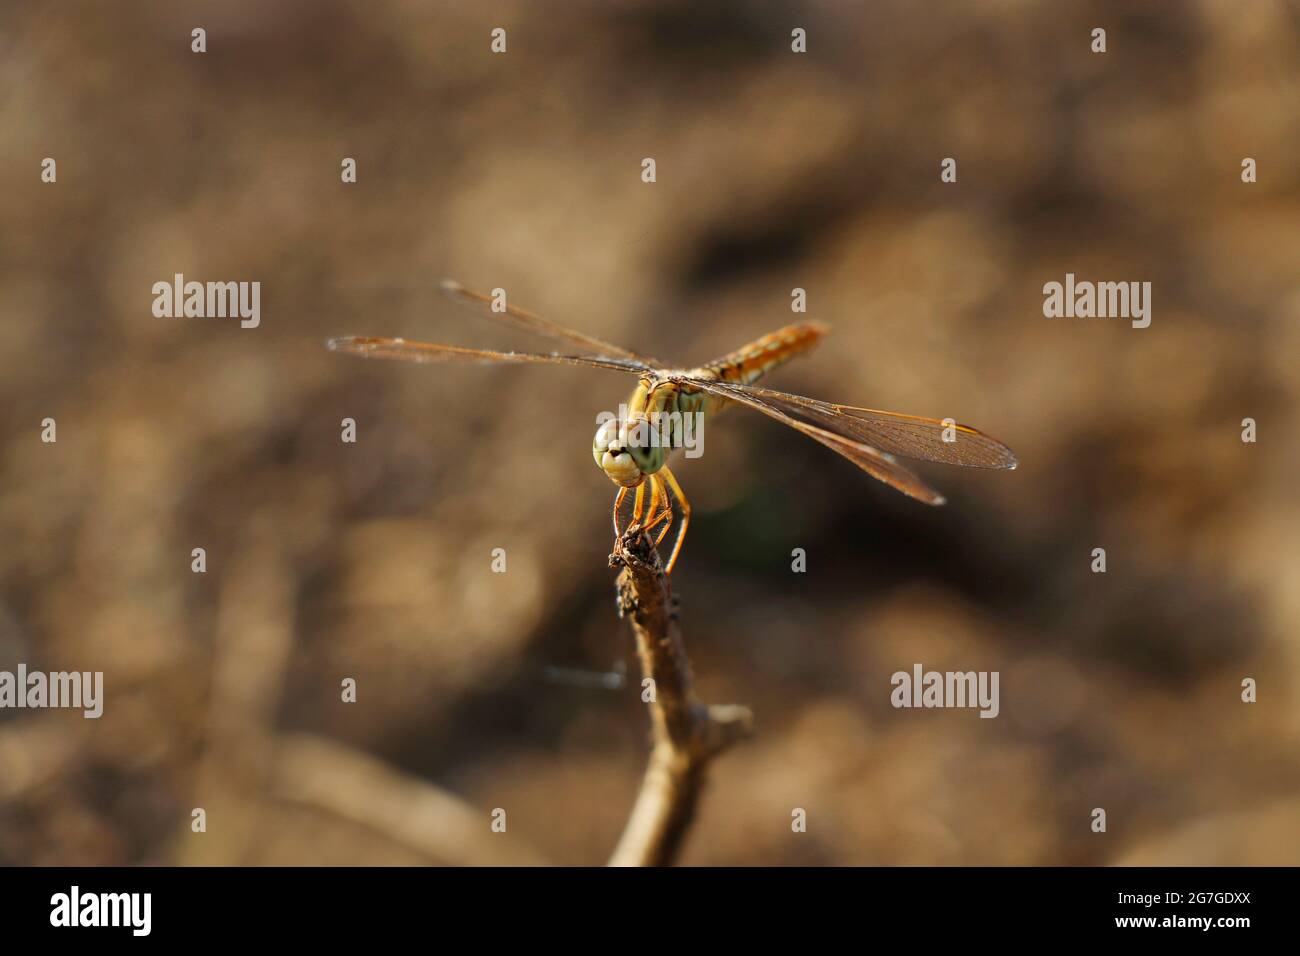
point(753, 361)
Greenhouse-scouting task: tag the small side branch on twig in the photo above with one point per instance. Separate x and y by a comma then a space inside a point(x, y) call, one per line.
point(352, 785)
point(687, 734)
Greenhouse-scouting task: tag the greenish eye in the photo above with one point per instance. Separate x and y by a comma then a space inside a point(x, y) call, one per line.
point(649, 460)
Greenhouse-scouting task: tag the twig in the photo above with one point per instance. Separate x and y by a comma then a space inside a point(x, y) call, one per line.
point(687, 734)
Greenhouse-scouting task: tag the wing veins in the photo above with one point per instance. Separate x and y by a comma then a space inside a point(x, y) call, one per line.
point(425, 352)
point(911, 436)
point(532, 322)
point(880, 465)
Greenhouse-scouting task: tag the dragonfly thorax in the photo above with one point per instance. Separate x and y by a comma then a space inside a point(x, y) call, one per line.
point(635, 444)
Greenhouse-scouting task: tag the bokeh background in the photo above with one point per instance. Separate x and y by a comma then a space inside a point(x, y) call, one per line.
point(372, 561)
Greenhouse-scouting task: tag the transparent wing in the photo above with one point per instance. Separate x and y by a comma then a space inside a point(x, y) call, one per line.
point(405, 351)
point(876, 463)
point(907, 435)
point(521, 318)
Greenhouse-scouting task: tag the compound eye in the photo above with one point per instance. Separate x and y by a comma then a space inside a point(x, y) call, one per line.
point(644, 457)
point(606, 434)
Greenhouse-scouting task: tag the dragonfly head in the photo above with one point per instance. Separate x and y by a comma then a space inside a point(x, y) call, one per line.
point(624, 464)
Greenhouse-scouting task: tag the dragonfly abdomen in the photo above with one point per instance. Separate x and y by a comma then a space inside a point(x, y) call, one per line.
point(751, 362)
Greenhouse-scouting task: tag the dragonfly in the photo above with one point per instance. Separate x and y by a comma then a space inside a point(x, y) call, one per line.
point(633, 449)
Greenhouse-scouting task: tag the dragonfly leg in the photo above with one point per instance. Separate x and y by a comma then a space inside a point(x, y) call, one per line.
point(639, 505)
point(665, 516)
point(672, 484)
point(618, 503)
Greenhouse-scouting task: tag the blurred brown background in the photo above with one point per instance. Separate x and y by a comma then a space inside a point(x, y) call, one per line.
point(775, 170)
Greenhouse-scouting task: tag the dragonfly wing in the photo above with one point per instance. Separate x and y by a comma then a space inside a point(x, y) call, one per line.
point(531, 322)
point(406, 351)
point(873, 461)
point(927, 439)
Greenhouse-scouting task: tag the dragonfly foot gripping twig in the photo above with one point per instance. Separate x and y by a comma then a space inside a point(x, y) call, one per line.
point(687, 734)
